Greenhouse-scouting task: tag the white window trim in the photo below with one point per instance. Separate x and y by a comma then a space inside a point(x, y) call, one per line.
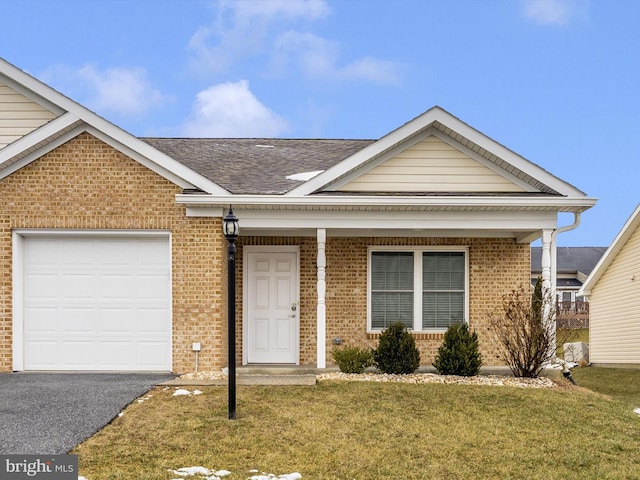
point(417, 281)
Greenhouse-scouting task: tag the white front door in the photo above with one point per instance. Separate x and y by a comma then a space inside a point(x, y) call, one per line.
point(271, 304)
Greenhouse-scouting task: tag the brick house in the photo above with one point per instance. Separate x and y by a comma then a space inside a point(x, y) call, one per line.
point(113, 258)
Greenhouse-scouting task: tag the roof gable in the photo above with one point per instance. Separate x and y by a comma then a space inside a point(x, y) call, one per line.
point(67, 120)
point(430, 165)
point(618, 244)
point(502, 163)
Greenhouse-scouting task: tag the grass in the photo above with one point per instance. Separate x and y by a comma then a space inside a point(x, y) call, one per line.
point(620, 384)
point(365, 430)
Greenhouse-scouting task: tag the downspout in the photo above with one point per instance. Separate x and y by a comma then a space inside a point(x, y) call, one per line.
point(554, 252)
point(554, 272)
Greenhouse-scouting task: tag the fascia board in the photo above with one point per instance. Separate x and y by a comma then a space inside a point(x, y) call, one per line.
point(562, 204)
point(120, 136)
point(609, 256)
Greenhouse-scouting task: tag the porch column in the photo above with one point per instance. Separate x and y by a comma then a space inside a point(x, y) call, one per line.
point(546, 259)
point(321, 319)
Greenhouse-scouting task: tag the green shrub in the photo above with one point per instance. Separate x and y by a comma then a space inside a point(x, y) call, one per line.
point(458, 354)
point(352, 359)
point(396, 352)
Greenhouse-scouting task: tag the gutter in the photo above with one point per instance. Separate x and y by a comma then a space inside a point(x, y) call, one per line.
point(554, 251)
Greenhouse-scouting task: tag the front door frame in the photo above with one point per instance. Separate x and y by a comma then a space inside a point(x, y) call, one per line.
point(245, 292)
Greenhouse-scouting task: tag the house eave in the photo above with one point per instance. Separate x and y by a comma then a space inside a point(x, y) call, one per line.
point(389, 203)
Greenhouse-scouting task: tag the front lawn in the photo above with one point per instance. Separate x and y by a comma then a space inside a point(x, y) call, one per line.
point(367, 430)
point(621, 384)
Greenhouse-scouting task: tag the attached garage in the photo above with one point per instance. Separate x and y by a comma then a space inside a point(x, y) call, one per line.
point(92, 302)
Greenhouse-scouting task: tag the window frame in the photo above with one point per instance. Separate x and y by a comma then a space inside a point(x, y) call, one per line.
point(418, 252)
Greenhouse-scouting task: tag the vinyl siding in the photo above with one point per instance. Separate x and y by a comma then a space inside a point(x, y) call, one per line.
point(615, 309)
point(19, 115)
point(431, 166)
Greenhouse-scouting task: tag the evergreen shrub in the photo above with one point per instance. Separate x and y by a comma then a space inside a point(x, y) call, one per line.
point(396, 352)
point(458, 354)
point(352, 359)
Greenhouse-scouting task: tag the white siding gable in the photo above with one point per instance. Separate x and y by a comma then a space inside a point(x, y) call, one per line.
point(615, 308)
point(431, 165)
point(19, 115)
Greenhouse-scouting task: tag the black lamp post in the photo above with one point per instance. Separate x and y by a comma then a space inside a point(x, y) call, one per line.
point(231, 229)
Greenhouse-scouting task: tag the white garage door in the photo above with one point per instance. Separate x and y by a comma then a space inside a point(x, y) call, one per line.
point(97, 303)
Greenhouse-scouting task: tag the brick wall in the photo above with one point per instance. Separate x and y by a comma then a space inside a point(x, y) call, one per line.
point(86, 184)
point(495, 267)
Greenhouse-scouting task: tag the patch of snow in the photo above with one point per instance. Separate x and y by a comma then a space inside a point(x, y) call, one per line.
point(197, 392)
point(636, 410)
point(206, 474)
point(181, 392)
point(304, 176)
point(191, 471)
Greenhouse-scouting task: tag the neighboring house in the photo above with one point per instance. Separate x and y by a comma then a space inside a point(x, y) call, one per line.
point(573, 266)
point(613, 289)
point(113, 258)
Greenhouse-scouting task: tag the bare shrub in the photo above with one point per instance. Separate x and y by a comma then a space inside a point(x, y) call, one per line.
point(525, 331)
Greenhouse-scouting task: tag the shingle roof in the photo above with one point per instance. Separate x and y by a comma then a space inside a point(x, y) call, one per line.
point(256, 165)
point(570, 259)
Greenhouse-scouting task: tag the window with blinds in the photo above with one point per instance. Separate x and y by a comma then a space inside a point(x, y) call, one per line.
point(442, 289)
point(423, 289)
point(391, 289)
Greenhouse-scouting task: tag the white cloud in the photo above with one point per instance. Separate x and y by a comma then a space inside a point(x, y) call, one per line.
point(251, 29)
point(242, 29)
point(118, 90)
point(372, 69)
point(232, 110)
point(317, 58)
point(553, 12)
point(291, 9)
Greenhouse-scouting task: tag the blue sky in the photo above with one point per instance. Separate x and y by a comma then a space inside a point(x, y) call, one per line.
point(557, 81)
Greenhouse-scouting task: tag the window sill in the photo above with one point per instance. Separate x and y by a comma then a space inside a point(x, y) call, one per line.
point(436, 335)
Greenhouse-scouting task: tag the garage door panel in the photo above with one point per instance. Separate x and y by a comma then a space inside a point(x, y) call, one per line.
point(153, 321)
point(78, 286)
point(154, 255)
point(153, 287)
point(78, 321)
point(41, 286)
point(78, 355)
point(118, 354)
point(41, 320)
point(150, 354)
point(42, 354)
point(119, 252)
point(118, 320)
point(117, 287)
point(75, 252)
point(97, 303)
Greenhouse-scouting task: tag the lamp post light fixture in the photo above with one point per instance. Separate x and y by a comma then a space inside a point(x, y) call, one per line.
point(231, 229)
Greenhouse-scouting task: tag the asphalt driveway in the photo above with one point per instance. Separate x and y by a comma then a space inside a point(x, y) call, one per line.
point(50, 413)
